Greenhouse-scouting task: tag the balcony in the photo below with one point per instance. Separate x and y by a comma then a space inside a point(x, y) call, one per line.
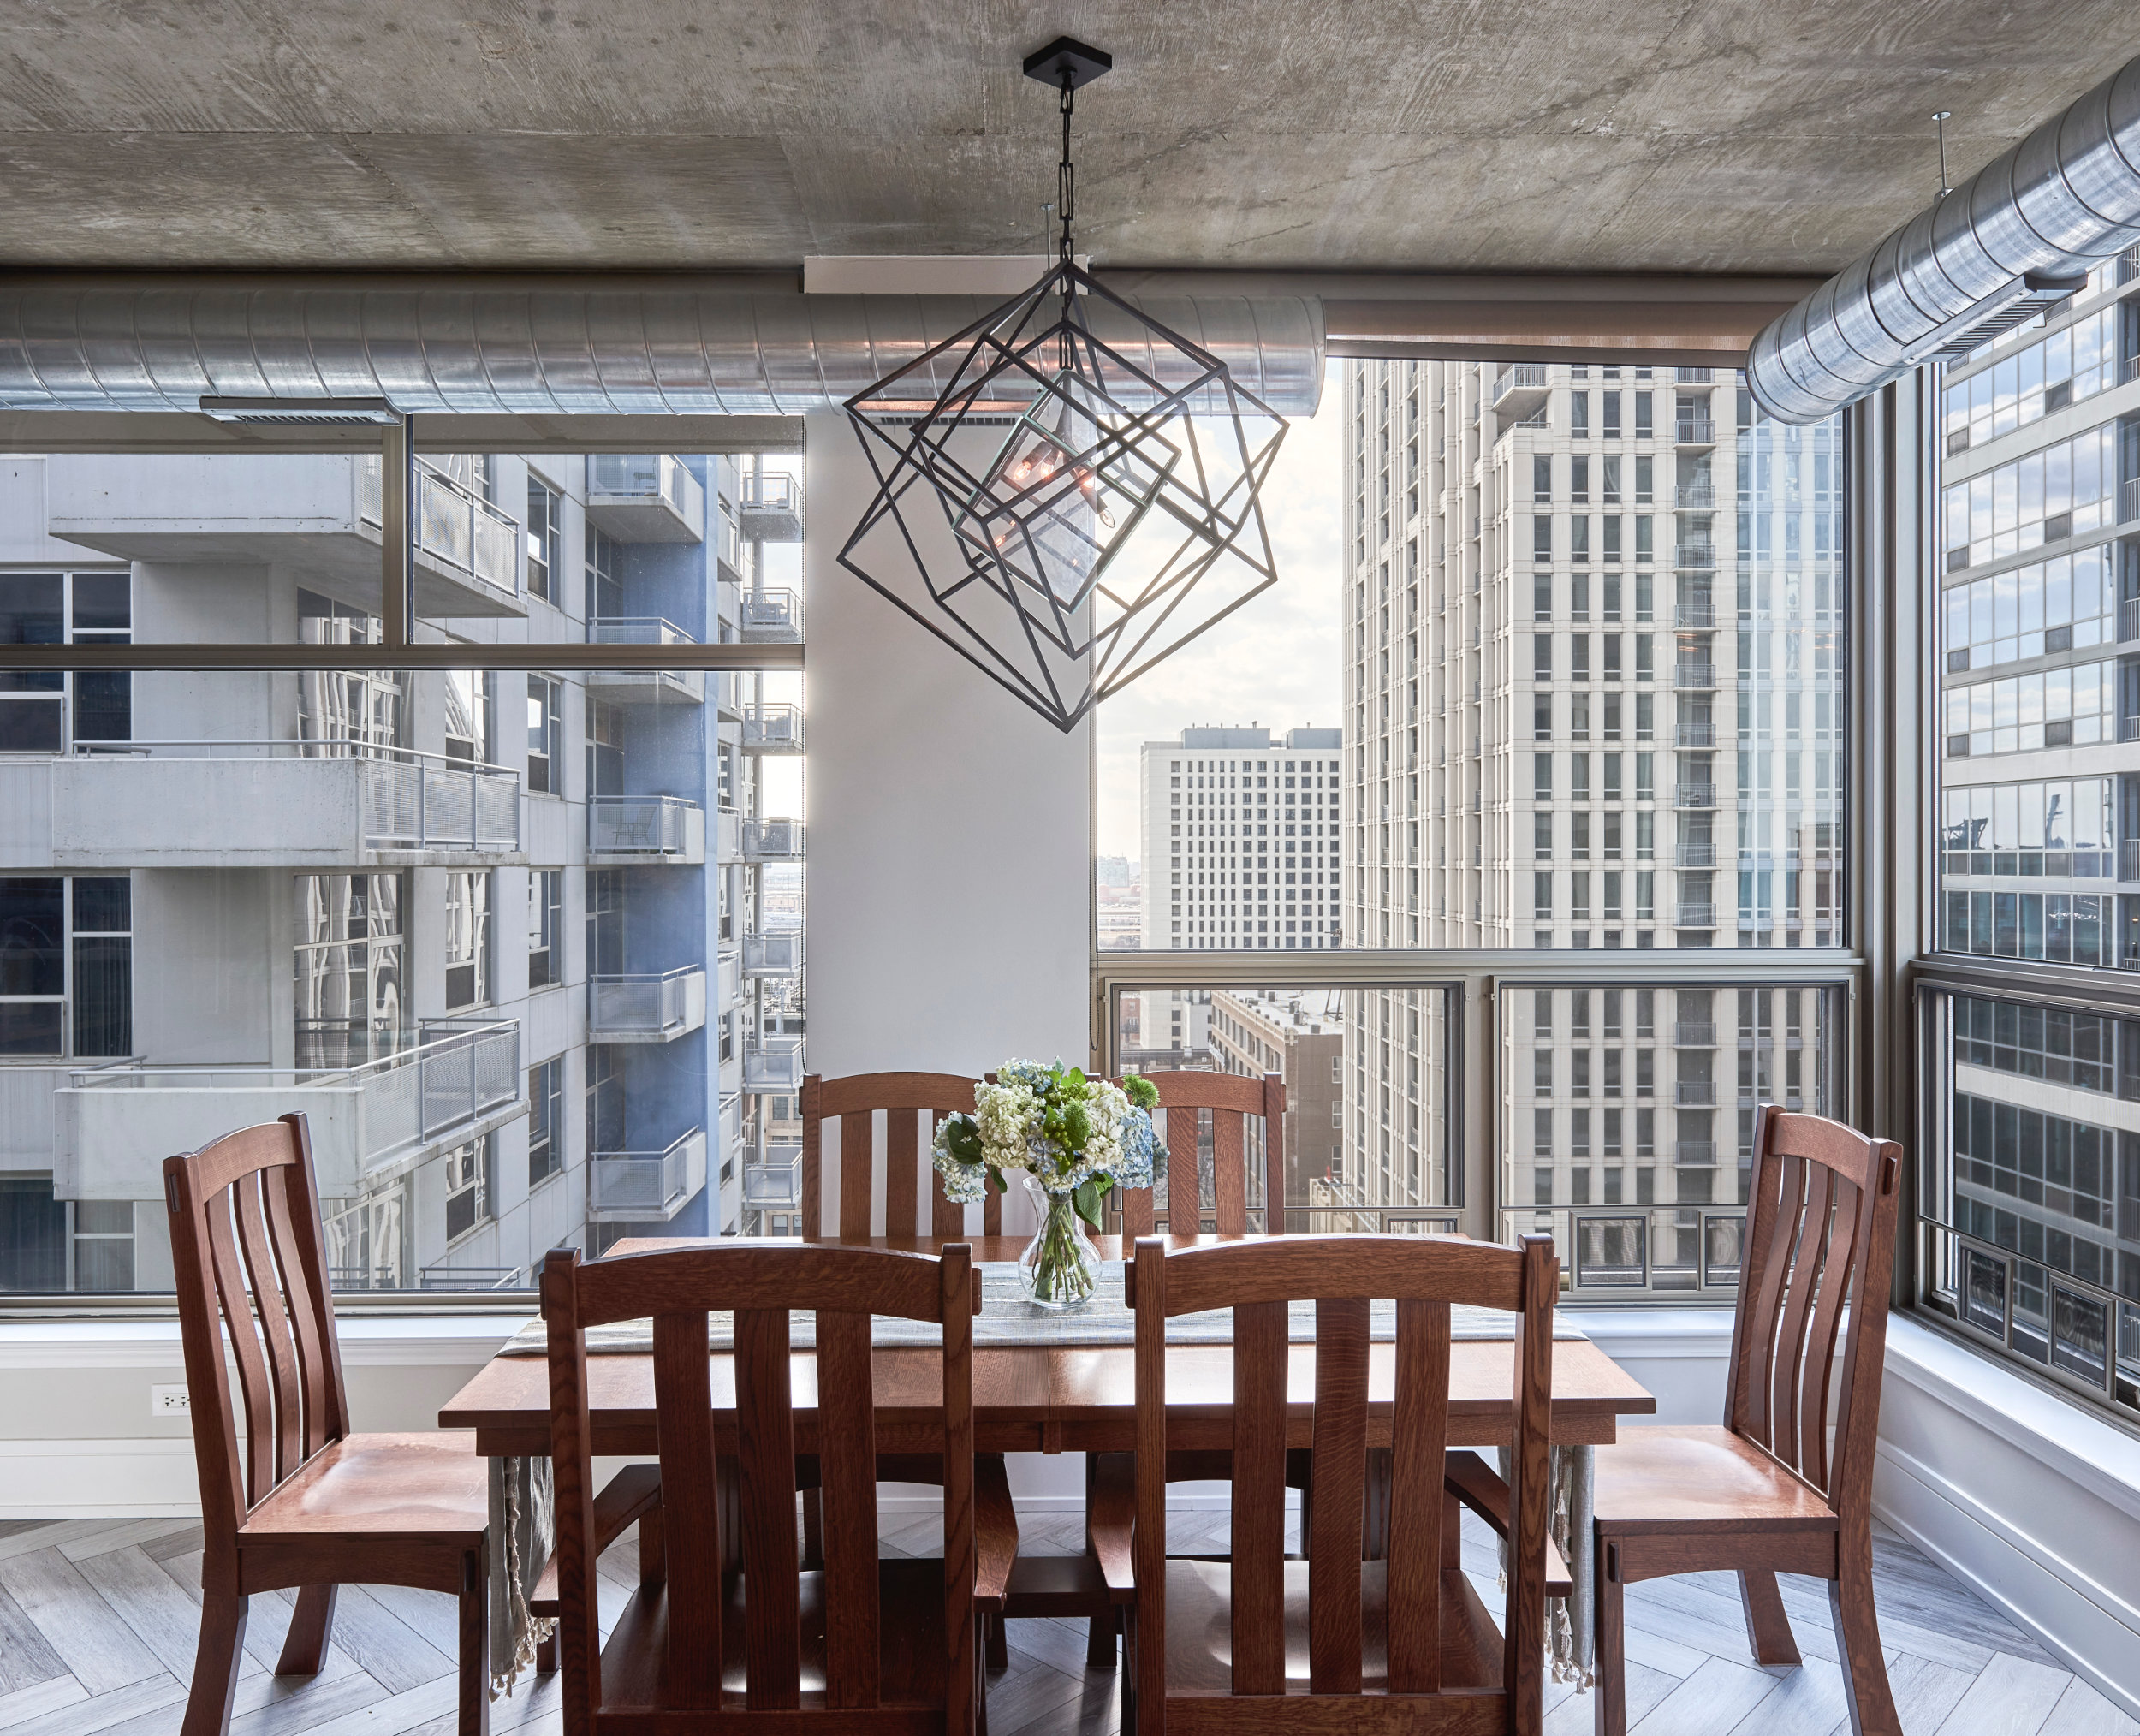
point(776, 953)
point(1697, 613)
point(1696, 916)
point(1696, 855)
point(2128, 620)
point(451, 1082)
point(647, 1186)
point(1695, 1154)
point(774, 1066)
point(773, 729)
point(773, 1182)
point(772, 617)
point(772, 841)
point(1695, 1094)
point(769, 507)
point(645, 687)
point(1694, 1033)
point(1694, 430)
point(316, 513)
point(1519, 390)
point(644, 497)
point(295, 804)
point(1695, 735)
point(646, 1008)
point(1695, 497)
point(1694, 678)
point(623, 830)
point(2129, 860)
point(1694, 795)
point(2128, 500)
point(728, 843)
point(1695, 557)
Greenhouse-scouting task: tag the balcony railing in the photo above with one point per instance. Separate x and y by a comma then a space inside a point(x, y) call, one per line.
point(650, 683)
point(1694, 795)
point(1694, 677)
point(1695, 1154)
point(652, 473)
point(654, 829)
point(1694, 557)
point(1694, 430)
point(1695, 735)
point(772, 841)
point(1696, 856)
point(1696, 497)
point(445, 1275)
point(1695, 376)
point(1522, 379)
point(773, 729)
point(2128, 500)
point(646, 1008)
point(2128, 619)
point(775, 953)
point(406, 799)
point(1695, 1094)
point(773, 1182)
point(774, 1064)
point(445, 1079)
point(1697, 613)
point(648, 1187)
point(1694, 1033)
point(1696, 916)
point(453, 526)
point(770, 507)
point(772, 617)
point(2129, 859)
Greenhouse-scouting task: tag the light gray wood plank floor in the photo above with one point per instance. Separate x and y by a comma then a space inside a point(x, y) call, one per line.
point(97, 1622)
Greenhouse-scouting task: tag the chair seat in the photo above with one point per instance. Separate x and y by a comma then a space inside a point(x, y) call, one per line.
point(1200, 1637)
point(912, 1654)
point(421, 1485)
point(1674, 1479)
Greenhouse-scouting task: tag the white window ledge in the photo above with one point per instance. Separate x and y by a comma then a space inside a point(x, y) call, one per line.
point(367, 1341)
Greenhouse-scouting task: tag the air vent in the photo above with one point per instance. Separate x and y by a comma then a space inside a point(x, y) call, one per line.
point(2039, 292)
point(303, 412)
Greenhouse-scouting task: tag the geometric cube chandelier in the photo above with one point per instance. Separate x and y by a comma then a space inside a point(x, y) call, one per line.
point(1068, 491)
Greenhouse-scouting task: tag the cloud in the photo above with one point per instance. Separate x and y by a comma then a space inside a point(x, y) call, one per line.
point(1276, 663)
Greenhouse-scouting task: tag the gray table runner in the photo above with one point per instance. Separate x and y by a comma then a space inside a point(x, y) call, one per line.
point(1007, 1319)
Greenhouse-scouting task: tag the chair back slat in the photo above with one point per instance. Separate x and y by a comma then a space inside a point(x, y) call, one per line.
point(765, 1465)
point(1260, 1359)
point(913, 1105)
point(846, 1458)
point(1820, 1240)
point(1230, 1101)
point(754, 1511)
point(691, 1503)
point(248, 1261)
point(271, 1304)
point(1341, 1274)
point(1338, 1495)
point(1419, 1432)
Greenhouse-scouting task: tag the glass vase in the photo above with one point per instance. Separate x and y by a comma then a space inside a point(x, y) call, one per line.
point(1059, 1267)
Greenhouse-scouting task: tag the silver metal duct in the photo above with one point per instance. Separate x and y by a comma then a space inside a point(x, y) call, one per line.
point(2018, 231)
point(570, 348)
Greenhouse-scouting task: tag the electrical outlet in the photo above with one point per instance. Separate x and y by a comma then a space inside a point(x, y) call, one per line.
point(169, 1401)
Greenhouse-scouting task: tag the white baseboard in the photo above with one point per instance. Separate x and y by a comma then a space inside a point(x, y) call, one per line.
point(2015, 1536)
point(98, 1479)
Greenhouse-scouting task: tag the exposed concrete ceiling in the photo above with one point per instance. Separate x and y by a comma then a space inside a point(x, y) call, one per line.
point(1590, 136)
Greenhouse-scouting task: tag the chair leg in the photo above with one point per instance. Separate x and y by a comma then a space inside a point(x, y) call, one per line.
point(475, 1646)
point(546, 1656)
point(1099, 1641)
point(1768, 1628)
point(1850, 1601)
point(653, 1568)
point(1610, 1651)
point(216, 1662)
point(304, 1647)
point(813, 1530)
point(995, 1642)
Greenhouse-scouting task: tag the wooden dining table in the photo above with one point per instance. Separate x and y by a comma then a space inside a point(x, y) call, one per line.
point(1054, 1398)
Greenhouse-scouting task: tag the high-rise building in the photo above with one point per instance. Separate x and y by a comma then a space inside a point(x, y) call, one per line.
point(525, 948)
point(1301, 1036)
point(2040, 764)
point(1593, 664)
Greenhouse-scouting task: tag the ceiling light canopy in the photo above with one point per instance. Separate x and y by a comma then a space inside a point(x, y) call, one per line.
point(1074, 504)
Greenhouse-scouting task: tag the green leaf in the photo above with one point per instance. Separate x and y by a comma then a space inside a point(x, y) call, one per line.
point(1087, 1201)
point(996, 1178)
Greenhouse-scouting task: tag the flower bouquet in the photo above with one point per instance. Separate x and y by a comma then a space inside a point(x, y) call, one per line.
point(1073, 1140)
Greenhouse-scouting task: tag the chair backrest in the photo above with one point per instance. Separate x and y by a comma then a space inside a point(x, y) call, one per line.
point(1230, 1099)
point(677, 1289)
point(1341, 1274)
point(913, 1104)
point(250, 1260)
point(1820, 1232)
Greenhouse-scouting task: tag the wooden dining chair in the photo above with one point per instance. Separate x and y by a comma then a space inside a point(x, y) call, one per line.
point(913, 1104)
point(1763, 1492)
point(737, 1636)
point(1258, 1643)
point(308, 1505)
point(1231, 1100)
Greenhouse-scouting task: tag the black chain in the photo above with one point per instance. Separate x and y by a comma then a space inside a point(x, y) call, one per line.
point(1066, 171)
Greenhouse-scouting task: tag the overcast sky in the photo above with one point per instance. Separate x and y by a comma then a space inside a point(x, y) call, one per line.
point(1275, 662)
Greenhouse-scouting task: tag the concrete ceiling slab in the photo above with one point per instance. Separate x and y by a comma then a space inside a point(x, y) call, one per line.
point(1570, 135)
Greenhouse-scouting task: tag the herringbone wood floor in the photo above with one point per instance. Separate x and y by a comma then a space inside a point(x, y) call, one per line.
point(97, 1621)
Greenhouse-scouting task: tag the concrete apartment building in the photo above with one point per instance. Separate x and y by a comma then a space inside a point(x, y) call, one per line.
point(1593, 668)
point(1301, 1036)
point(512, 940)
point(2040, 643)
